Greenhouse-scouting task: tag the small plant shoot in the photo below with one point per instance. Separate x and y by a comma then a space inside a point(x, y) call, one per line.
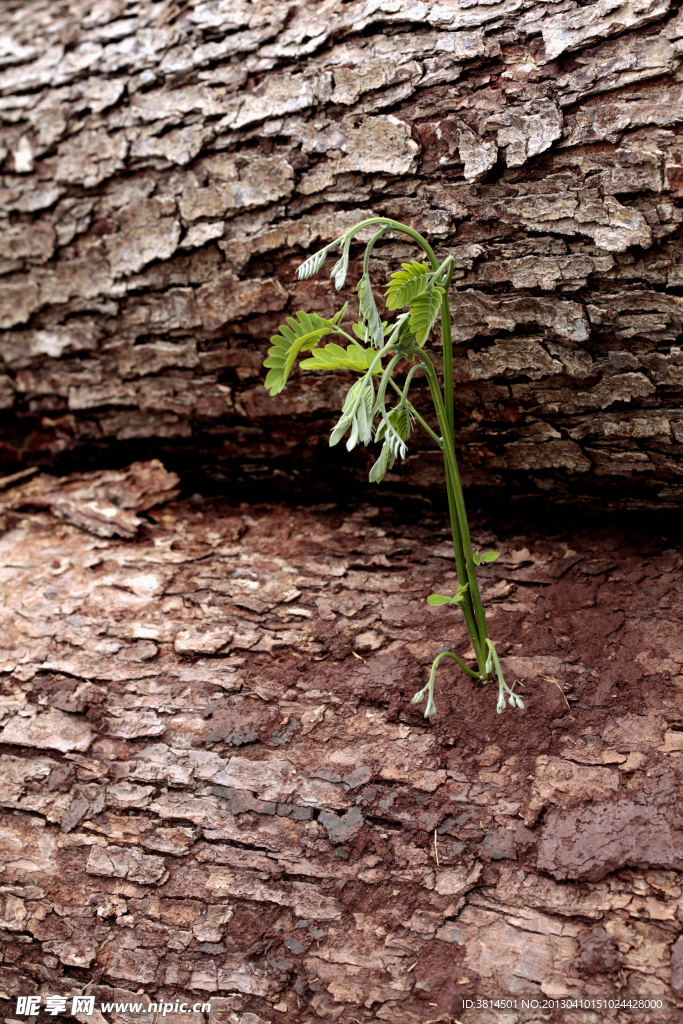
point(374, 351)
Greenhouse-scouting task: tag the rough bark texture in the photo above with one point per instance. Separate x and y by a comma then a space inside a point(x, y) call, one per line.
point(167, 165)
point(215, 787)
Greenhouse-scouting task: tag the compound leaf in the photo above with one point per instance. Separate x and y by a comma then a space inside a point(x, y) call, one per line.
point(334, 357)
point(297, 335)
point(423, 312)
point(405, 285)
point(312, 265)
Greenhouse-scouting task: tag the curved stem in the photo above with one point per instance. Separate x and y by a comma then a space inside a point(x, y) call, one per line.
point(394, 225)
point(447, 654)
point(370, 246)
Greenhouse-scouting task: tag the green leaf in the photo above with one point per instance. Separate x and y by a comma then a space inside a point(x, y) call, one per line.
point(423, 312)
point(334, 357)
point(297, 335)
point(405, 285)
point(369, 312)
point(439, 599)
point(384, 463)
point(488, 556)
point(339, 315)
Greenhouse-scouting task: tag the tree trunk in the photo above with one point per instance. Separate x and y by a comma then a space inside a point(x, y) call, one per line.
point(168, 165)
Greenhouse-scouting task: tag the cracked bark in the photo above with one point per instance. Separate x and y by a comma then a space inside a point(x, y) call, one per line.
point(167, 166)
point(213, 785)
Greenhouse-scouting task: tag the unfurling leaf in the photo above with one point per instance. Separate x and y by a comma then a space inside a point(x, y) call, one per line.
point(369, 312)
point(297, 335)
point(342, 265)
point(405, 285)
point(423, 312)
point(395, 430)
point(313, 264)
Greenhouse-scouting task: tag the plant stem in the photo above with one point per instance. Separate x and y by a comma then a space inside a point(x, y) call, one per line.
point(462, 545)
point(448, 654)
point(447, 341)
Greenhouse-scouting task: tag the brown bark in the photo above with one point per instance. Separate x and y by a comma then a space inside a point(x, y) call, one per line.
point(168, 165)
point(214, 787)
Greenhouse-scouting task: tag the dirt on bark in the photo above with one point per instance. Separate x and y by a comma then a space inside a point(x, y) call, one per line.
point(216, 787)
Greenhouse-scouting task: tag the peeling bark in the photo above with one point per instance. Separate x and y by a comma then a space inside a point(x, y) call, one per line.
point(166, 167)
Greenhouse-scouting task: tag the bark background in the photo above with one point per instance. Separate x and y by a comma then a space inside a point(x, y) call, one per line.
point(213, 782)
point(167, 165)
point(214, 786)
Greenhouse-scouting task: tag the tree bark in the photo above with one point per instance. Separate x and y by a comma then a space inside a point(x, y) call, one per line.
point(214, 787)
point(168, 165)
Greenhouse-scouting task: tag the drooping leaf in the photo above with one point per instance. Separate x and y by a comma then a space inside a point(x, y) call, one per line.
point(340, 430)
point(395, 430)
point(356, 414)
point(405, 285)
point(342, 265)
point(312, 265)
point(384, 463)
point(361, 431)
point(423, 312)
point(297, 335)
point(369, 312)
point(361, 330)
point(395, 434)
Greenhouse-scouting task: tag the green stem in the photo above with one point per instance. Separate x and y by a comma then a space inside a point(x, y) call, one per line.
point(447, 342)
point(447, 654)
point(462, 545)
point(370, 246)
point(394, 225)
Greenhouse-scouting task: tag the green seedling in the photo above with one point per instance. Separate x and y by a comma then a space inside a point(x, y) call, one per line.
point(376, 351)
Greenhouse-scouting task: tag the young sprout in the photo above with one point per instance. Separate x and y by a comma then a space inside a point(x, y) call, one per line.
point(374, 351)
